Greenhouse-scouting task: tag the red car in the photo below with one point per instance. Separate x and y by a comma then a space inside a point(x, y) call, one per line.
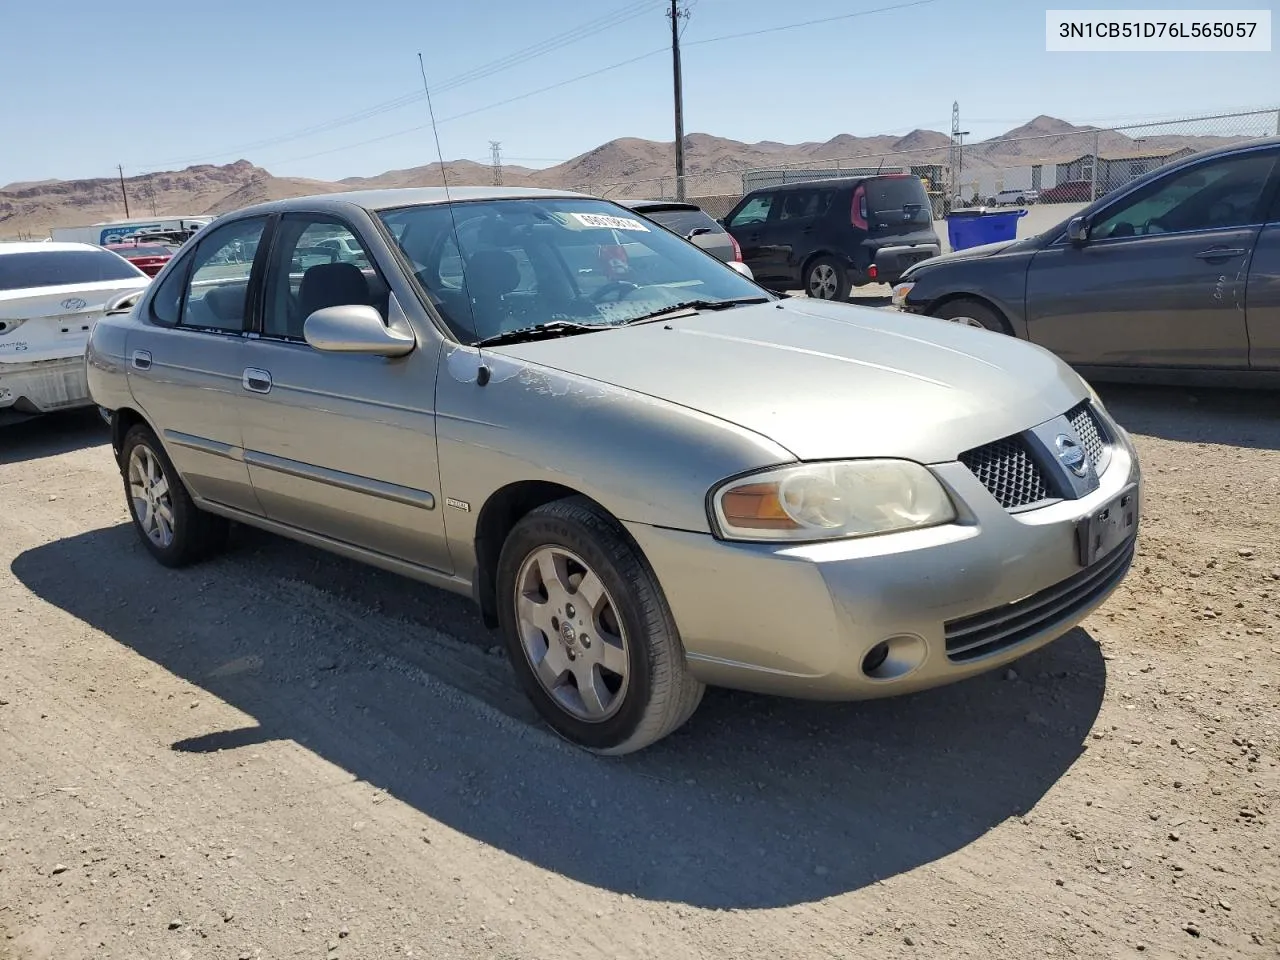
point(150, 258)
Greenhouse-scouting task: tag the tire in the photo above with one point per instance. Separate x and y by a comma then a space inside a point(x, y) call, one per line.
point(625, 646)
point(174, 530)
point(826, 279)
point(973, 313)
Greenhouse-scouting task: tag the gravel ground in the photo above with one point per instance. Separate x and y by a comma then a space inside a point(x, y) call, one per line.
point(282, 754)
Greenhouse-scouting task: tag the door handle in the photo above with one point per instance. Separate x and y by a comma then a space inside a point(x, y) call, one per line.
point(141, 359)
point(1219, 253)
point(256, 380)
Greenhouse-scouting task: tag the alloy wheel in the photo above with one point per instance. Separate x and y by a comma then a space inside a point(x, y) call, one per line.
point(149, 495)
point(571, 633)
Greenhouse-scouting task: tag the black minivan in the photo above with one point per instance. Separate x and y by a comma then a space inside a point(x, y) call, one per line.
point(827, 236)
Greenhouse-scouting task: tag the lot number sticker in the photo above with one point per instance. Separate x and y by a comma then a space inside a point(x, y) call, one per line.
point(604, 220)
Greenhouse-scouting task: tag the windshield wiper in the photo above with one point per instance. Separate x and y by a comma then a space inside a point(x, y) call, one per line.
point(542, 331)
point(687, 305)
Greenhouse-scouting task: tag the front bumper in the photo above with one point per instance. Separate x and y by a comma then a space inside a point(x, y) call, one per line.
point(799, 620)
point(44, 386)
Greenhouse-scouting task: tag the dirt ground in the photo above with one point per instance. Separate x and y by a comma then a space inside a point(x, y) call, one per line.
point(282, 754)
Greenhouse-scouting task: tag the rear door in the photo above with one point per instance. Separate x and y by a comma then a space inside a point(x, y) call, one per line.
point(801, 213)
point(754, 226)
point(899, 211)
point(186, 363)
point(1161, 280)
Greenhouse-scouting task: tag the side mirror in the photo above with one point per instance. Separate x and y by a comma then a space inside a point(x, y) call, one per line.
point(1078, 230)
point(355, 328)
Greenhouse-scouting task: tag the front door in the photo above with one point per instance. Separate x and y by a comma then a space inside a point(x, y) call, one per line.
point(754, 226)
point(1262, 303)
point(184, 365)
point(341, 445)
point(1161, 279)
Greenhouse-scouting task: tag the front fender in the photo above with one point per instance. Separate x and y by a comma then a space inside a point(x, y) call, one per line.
point(1000, 281)
point(643, 459)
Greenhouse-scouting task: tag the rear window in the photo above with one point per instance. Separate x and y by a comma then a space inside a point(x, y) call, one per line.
point(22, 271)
point(898, 200)
point(683, 222)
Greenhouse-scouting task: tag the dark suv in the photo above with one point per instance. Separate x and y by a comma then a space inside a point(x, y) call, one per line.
point(826, 236)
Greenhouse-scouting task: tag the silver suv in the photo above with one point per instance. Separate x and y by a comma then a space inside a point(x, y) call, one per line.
point(650, 472)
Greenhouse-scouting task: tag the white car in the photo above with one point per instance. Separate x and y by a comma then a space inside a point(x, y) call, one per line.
point(51, 295)
point(1020, 197)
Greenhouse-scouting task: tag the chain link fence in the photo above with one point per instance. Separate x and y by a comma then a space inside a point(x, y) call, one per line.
point(1061, 165)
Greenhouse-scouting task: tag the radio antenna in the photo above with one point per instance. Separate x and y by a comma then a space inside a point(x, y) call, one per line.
point(482, 373)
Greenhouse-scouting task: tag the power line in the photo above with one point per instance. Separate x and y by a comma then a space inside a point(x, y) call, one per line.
point(810, 23)
point(592, 27)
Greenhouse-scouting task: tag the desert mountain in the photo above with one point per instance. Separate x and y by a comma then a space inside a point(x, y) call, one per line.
point(626, 167)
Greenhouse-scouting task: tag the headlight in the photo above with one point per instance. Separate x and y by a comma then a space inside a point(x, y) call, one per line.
point(830, 501)
point(900, 292)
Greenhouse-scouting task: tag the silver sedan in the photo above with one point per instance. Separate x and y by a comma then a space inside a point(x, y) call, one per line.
point(650, 473)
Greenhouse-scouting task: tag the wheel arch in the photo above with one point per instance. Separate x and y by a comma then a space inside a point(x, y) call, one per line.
point(987, 302)
point(499, 514)
point(122, 421)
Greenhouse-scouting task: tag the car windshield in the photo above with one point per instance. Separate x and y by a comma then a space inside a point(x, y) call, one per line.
point(496, 266)
point(55, 268)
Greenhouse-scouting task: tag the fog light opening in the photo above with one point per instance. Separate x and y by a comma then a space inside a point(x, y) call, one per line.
point(875, 658)
point(894, 658)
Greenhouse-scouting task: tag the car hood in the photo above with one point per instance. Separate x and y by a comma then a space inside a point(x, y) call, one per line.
point(829, 380)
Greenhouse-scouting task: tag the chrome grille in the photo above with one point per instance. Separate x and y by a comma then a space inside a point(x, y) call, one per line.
point(991, 631)
point(1007, 470)
point(1085, 423)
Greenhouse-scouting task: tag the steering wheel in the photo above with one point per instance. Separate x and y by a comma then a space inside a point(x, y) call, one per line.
point(616, 287)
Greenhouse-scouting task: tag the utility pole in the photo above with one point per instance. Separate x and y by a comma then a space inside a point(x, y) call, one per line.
point(123, 192)
point(495, 159)
point(675, 15)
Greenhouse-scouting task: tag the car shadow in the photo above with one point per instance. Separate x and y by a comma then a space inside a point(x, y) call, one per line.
point(757, 802)
point(1239, 418)
point(47, 435)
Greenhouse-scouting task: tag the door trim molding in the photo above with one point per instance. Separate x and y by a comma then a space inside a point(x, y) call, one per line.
point(410, 496)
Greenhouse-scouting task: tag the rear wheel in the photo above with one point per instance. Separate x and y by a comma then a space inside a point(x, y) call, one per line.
point(826, 279)
point(589, 633)
point(973, 313)
point(172, 528)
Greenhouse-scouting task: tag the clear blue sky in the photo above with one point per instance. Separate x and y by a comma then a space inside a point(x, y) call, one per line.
point(158, 86)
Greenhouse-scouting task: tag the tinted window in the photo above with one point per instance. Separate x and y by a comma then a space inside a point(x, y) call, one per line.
point(515, 263)
point(144, 251)
point(804, 204)
point(316, 263)
point(21, 271)
point(218, 291)
point(1214, 195)
point(756, 211)
point(897, 200)
point(684, 222)
point(166, 304)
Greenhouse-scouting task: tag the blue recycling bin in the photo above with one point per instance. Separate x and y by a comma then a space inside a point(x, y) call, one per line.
point(973, 228)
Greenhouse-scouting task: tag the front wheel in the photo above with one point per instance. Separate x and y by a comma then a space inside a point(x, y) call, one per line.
point(589, 632)
point(973, 313)
point(826, 279)
point(172, 528)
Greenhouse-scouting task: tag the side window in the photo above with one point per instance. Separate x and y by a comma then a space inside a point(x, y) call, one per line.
point(804, 204)
point(166, 305)
point(755, 212)
point(1215, 195)
point(217, 294)
point(316, 262)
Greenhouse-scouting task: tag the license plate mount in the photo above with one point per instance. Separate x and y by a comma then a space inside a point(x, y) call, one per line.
point(1106, 528)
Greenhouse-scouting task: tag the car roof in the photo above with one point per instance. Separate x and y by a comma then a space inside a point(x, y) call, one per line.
point(45, 246)
point(393, 198)
point(828, 182)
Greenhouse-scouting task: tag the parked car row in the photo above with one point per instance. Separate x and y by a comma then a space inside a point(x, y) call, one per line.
point(1173, 278)
point(636, 460)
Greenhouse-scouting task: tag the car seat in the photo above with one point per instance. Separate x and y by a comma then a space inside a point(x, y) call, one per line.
point(490, 276)
point(328, 285)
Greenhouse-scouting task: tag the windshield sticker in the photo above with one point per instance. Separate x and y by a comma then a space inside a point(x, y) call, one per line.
point(605, 220)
